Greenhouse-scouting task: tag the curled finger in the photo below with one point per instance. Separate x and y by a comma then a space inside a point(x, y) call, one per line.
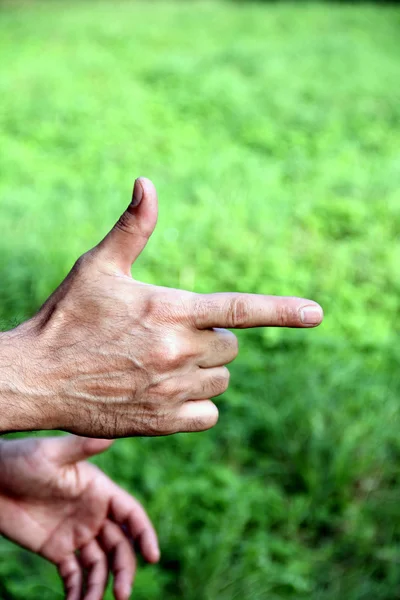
point(217, 347)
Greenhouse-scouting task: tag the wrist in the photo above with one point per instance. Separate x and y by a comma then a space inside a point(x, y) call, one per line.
point(22, 402)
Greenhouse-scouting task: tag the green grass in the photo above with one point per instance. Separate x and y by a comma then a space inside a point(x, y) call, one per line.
point(273, 134)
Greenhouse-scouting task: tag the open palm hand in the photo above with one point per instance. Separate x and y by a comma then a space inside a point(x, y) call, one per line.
point(68, 511)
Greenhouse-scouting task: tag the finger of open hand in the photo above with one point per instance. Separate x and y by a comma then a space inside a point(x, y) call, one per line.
point(126, 510)
point(71, 573)
point(217, 347)
point(94, 560)
point(122, 558)
point(240, 311)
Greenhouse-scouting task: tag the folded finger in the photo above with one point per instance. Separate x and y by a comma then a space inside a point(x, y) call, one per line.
point(217, 347)
point(196, 415)
point(205, 383)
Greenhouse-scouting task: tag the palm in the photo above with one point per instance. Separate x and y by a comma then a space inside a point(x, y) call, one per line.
point(55, 505)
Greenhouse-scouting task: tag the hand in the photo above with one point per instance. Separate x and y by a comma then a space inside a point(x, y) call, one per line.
point(55, 505)
point(110, 356)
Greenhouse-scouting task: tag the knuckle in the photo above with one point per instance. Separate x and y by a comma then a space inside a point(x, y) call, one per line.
point(219, 383)
point(199, 307)
point(83, 261)
point(81, 534)
point(154, 306)
point(153, 421)
point(163, 424)
point(202, 306)
point(284, 315)
point(237, 312)
point(170, 389)
point(166, 423)
point(171, 356)
point(170, 353)
point(167, 307)
point(125, 223)
point(145, 230)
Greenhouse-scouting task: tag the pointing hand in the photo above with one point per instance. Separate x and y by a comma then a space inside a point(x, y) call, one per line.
point(116, 357)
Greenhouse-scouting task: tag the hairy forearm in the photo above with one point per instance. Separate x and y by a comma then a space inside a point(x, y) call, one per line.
point(21, 406)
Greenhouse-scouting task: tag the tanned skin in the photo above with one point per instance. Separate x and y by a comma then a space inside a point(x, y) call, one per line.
point(108, 356)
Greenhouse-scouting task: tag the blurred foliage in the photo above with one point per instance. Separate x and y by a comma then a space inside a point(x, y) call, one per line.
point(273, 134)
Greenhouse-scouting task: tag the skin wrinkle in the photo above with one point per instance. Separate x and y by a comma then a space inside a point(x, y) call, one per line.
point(80, 538)
point(98, 399)
point(33, 523)
point(107, 354)
point(129, 357)
point(61, 504)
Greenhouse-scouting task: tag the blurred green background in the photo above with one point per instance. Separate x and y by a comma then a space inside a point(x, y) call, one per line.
point(272, 132)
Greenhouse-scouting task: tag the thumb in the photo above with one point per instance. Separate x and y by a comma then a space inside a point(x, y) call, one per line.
point(130, 234)
point(72, 448)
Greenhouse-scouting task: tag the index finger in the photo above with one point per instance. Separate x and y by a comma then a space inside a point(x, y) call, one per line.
point(242, 311)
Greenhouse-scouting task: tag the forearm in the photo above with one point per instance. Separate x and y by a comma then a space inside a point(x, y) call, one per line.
point(22, 407)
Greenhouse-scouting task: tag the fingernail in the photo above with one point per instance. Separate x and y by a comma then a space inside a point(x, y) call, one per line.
point(311, 315)
point(137, 194)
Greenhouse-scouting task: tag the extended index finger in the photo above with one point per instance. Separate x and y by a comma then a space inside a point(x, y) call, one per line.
point(241, 311)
